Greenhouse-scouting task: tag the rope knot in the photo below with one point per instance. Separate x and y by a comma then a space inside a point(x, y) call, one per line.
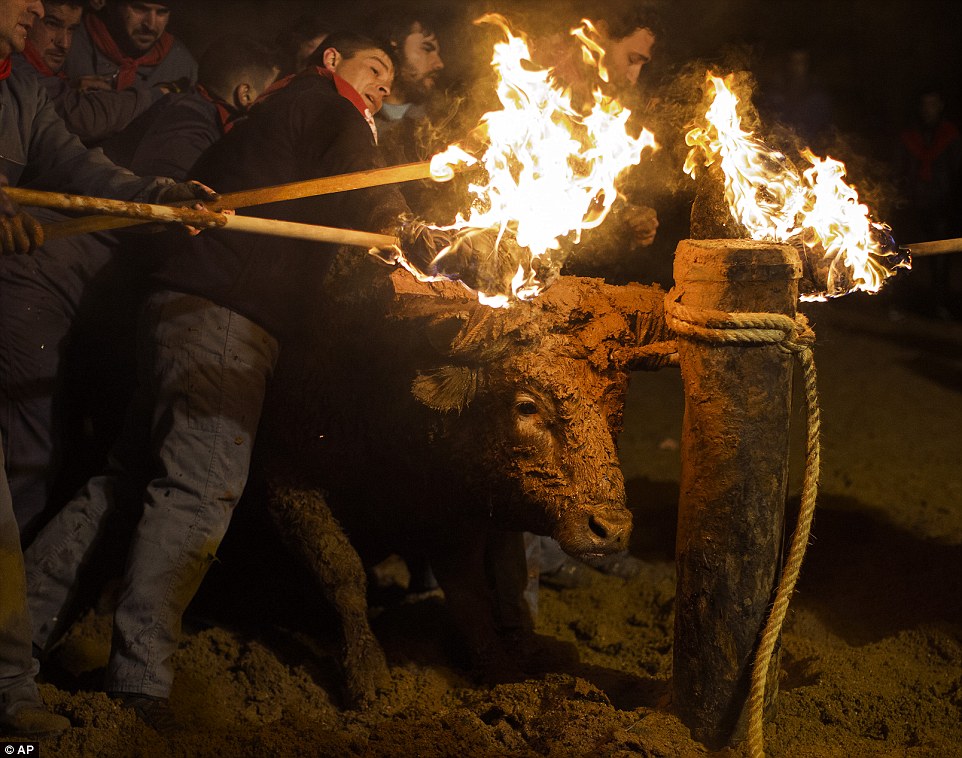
point(793, 335)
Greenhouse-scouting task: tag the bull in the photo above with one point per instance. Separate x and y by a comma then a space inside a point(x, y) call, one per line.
point(409, 418)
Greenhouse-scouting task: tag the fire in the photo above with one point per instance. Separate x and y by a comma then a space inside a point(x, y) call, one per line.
point(550, 171)
point(814, 210)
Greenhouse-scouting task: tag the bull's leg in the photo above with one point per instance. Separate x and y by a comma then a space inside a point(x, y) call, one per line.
point(310, 530)
point(470, 599)
point(507, 569)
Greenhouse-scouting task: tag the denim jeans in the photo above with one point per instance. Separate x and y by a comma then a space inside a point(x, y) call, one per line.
point(182, 464)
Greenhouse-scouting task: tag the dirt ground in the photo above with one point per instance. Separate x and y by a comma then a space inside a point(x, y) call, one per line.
point(872, 650)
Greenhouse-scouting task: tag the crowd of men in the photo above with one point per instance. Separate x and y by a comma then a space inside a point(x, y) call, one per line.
point(98, 98)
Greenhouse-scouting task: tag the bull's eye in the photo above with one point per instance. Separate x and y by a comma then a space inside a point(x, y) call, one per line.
point(526, 407)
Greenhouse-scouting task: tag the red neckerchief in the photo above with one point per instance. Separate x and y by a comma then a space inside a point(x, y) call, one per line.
point(5, 67)
point(343, 87)
point(36, 60)
point(927, 152)
point(225, 113)
point(104, 42)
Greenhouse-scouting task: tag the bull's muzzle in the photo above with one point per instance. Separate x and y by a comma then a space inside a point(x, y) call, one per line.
point(595, 531)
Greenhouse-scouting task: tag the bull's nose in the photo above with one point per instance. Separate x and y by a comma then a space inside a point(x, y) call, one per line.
point(610, 527)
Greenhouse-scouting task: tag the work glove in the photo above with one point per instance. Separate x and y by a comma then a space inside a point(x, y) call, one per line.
point(19, 232)
point(642, 221)
point(182, 192)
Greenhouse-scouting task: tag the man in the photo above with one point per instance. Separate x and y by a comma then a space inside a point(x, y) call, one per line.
point(22, 712)
point(410, 32)
point(40, 294)
point(128, 42)
point(209, 342)
point(89, 107)
point(627, 33)
point(404, 120)
point(929, 164)
point(166, 140)
point(51, 37)
point(35, 147)
point(170, 136)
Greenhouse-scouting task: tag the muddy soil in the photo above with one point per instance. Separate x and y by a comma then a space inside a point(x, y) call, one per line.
point(872, 650)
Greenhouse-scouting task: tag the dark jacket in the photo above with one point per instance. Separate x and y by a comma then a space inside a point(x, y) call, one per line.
point(36, 149)
point(96, 115)
point(303, 131)
point(169, 137)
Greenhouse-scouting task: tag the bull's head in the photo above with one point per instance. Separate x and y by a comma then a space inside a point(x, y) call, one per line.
point(531, 401)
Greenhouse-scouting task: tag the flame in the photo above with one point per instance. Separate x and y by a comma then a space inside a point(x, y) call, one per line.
point(549, 171)
point(815, 209)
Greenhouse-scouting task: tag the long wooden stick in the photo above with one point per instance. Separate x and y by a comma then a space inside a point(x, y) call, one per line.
point(200, 218)
point(312, 232)
point(295, 190)
point(935, 247)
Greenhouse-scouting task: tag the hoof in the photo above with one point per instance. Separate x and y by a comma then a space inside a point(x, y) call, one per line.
point(366, 674)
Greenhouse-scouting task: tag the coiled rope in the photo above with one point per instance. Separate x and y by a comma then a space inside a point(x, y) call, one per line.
point(796, 337)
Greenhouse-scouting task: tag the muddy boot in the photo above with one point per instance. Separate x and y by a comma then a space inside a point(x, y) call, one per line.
point(570, 574)
point(623, 565)
point(30, 720)
point(155, 712)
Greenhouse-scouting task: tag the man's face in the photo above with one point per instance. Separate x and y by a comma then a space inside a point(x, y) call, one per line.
point(420, 63)
point(627, 56)
point(16, 18)
point(141, 25)
point(369, 71)
point(52, 35)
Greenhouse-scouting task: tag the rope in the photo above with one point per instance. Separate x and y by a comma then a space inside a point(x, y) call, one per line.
point(796, 337)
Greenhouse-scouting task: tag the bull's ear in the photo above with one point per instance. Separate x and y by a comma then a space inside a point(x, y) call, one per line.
point(449, 388)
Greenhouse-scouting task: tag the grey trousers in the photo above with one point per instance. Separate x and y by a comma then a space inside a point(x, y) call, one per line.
point(182, 464)
point(17, 665)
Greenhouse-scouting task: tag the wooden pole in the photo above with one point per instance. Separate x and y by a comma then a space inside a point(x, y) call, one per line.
point(935, 247)
point(261, 196)
point(203, 219)
point(126, 208)
point(735, 442)
point(312, 232)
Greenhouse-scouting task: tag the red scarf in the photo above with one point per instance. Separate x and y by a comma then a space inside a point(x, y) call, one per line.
point(344, 89)
point(5, 66)
point(225, 113)
point(928, 152)
point(36, 60)
point(105, 43)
